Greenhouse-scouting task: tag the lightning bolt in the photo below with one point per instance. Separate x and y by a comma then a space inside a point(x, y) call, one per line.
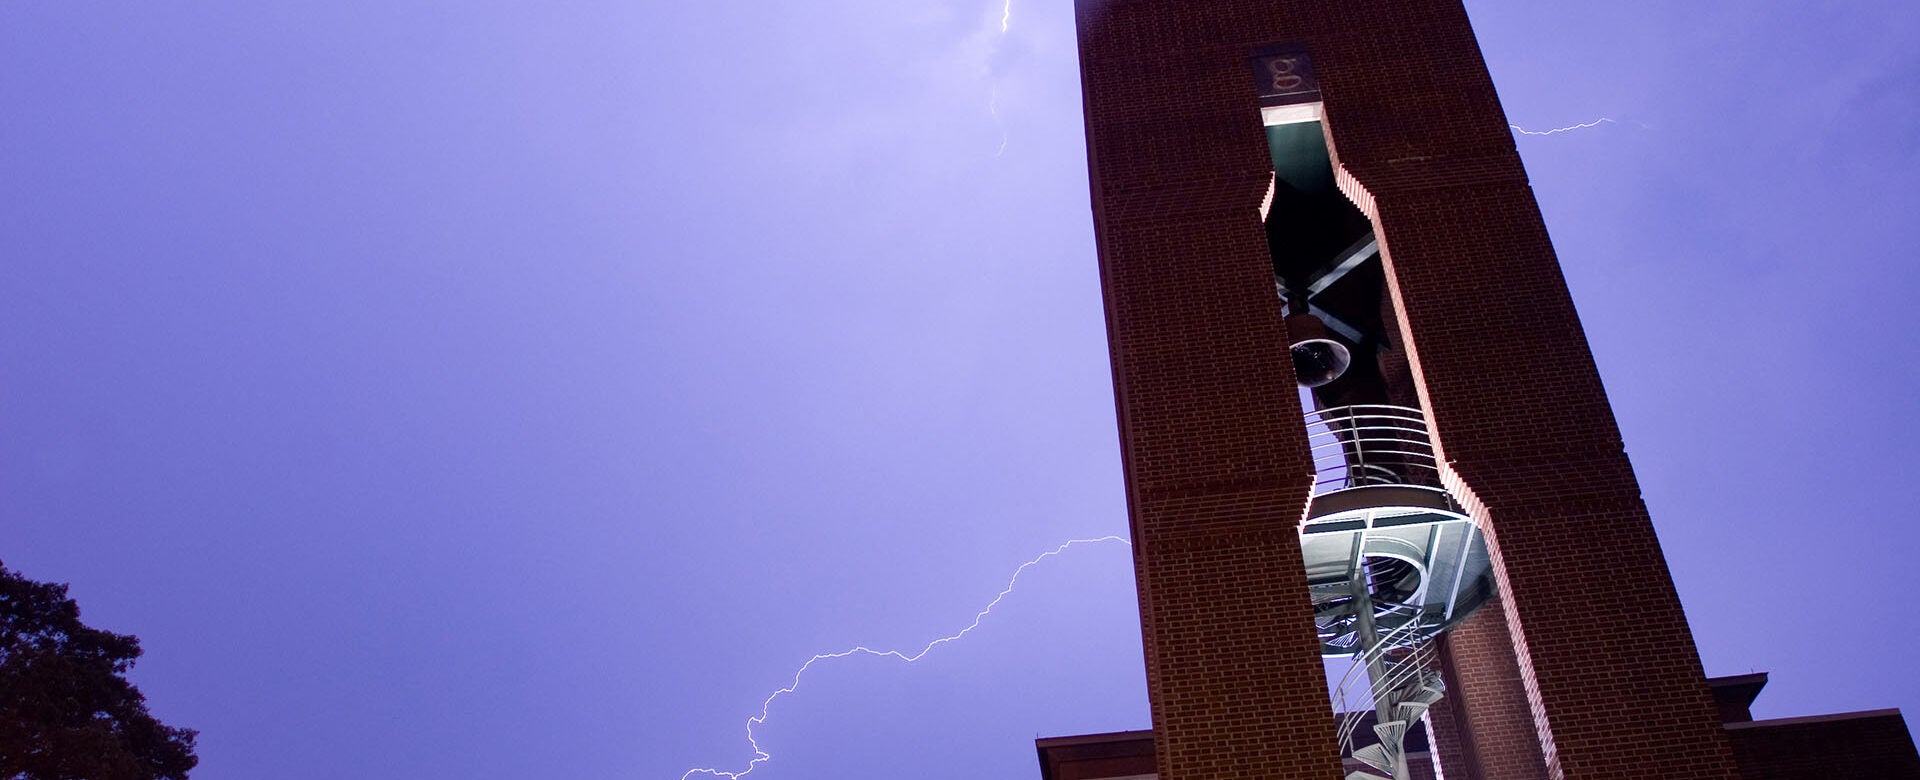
point(993, 98)
point(760, 756)
point(993, 107)
point(1569, 128)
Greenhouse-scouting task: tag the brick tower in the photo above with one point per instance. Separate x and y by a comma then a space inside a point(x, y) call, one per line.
point(1326, 194)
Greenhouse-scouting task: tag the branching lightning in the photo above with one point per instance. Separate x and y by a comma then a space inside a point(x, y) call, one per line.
point(1568, 129)
point(761, 756)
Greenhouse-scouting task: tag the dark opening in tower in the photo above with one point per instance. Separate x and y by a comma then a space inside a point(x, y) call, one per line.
point(1326, 262)
point(1392, 560)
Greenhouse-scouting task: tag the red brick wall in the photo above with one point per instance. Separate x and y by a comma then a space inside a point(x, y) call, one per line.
point(1452, 751)
point(1872, 746)
point(1210, 429)
point(1484, 727)
point(1211, 437)
point(1608, 662)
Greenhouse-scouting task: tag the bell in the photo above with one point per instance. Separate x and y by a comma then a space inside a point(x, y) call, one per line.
point(1317, 358)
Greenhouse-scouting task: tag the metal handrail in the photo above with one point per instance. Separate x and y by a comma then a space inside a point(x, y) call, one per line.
point(1399, 674)
point(1370, 444)
point(1412, 610)
point(1396, 638)
point(1360, 661)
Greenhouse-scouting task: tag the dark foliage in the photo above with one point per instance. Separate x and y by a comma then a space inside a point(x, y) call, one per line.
point(67, 711)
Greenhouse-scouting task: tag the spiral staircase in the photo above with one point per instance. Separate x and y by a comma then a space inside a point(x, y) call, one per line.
point(1392, 562)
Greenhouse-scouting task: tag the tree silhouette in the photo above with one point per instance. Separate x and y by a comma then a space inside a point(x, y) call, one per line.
point(67, 711)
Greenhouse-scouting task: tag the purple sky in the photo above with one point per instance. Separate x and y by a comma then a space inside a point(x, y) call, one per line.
point(507, 390)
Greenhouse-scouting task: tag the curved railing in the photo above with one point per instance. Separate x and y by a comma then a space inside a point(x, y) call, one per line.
point(1407, 635)
point(1416, 668)
point(1415, 659)
point(1370, 444)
